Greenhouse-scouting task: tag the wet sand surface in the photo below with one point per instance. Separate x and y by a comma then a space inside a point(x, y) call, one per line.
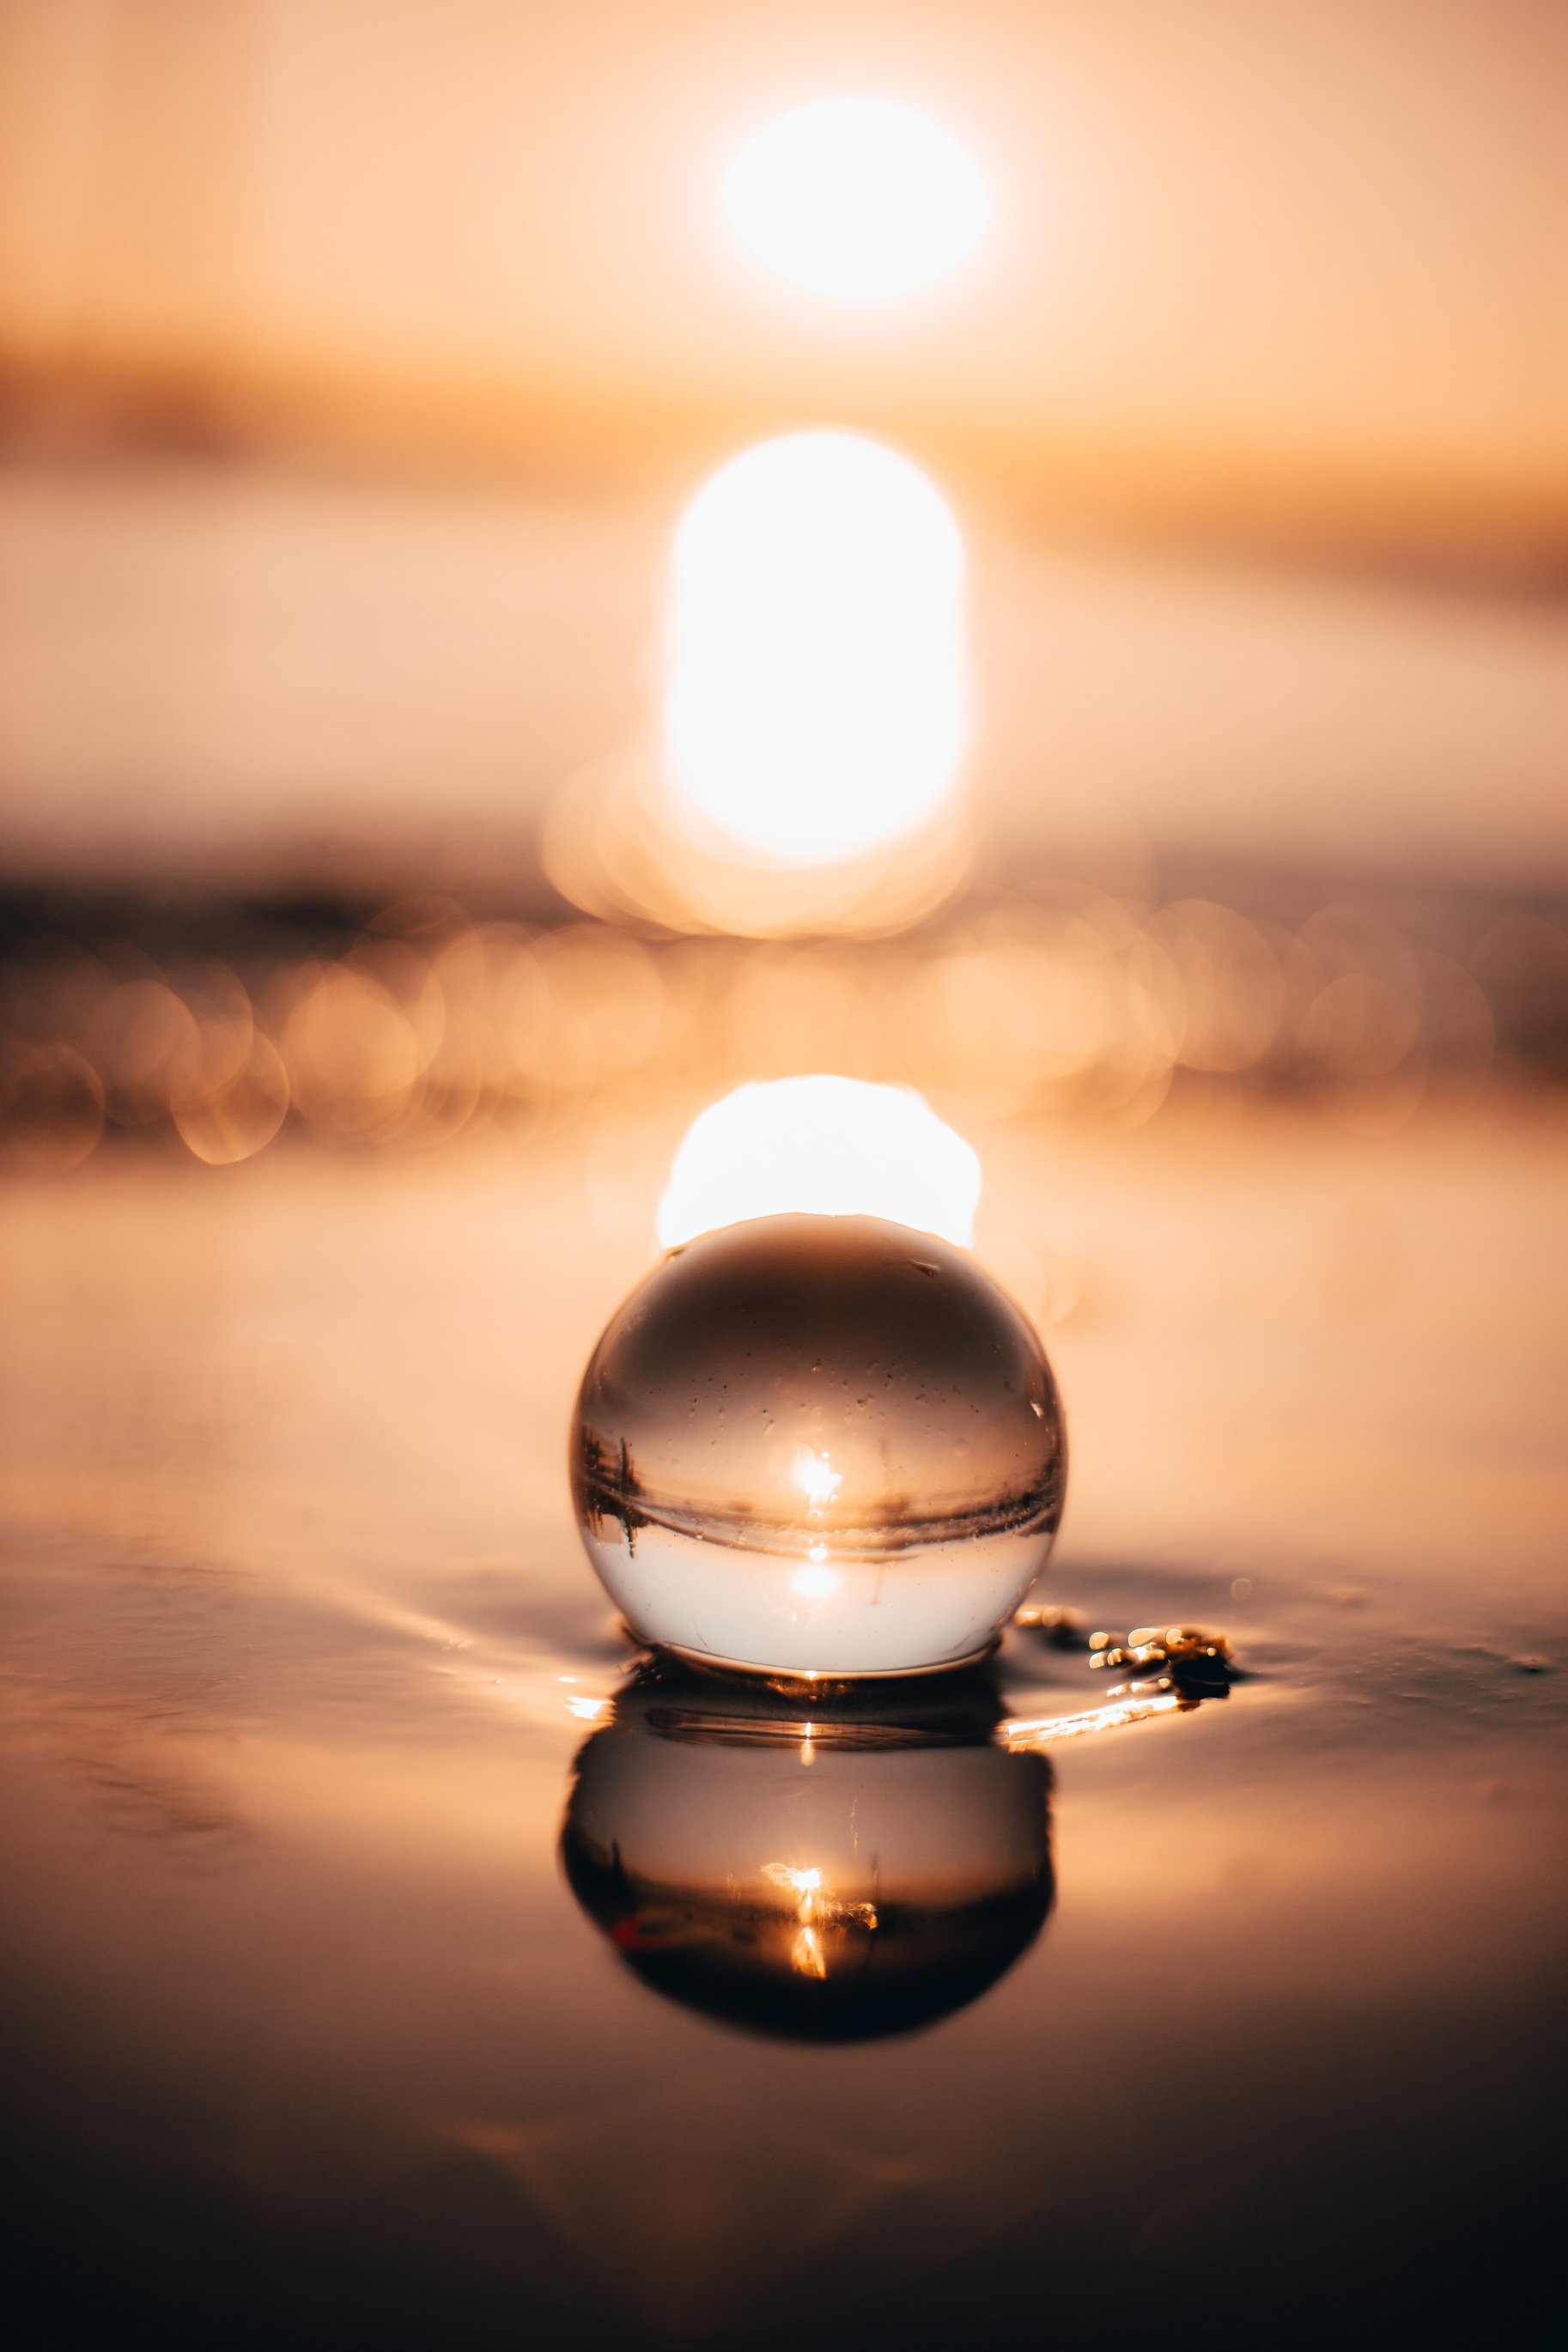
point(313, 2039)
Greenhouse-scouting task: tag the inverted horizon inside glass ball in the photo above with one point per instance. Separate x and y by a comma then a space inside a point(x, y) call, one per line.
point(818, 1446)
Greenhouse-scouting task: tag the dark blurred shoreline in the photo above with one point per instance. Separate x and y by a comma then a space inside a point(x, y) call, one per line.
point(221, 1020)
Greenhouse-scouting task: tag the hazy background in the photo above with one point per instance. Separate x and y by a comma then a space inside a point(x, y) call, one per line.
point(359, 362)
point(1290, 270)
point(358, 356)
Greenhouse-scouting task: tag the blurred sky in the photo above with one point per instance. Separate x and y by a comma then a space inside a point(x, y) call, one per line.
point(396, 334)
point(1292, 269)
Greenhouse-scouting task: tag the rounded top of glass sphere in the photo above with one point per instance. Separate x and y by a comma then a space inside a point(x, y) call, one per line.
point(832, 1386)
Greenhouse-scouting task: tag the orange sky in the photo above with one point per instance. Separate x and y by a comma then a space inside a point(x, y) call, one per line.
point(1287, 267)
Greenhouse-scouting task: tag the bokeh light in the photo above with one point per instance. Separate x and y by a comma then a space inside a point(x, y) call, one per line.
point(821, 1145)
point(423, 1025)
point(857, 197)
point(816, 698)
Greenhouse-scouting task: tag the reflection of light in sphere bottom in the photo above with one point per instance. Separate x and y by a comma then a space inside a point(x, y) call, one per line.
point(854, 1872)
point(818, 1446)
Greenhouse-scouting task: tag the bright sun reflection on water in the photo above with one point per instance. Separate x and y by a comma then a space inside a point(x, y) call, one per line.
point(815, 698)
point(822, 1147)
point(855, 197)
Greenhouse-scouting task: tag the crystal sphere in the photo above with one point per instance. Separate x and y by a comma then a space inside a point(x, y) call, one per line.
point(819, 1446)
point(820, 1870)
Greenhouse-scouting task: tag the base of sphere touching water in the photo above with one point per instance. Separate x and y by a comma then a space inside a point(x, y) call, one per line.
point(705, 1660)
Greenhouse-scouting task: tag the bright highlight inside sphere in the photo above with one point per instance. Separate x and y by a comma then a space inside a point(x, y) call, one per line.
point(814, 1583)
point(855, 197)
point(815, 698)
point(820, 1147)
point(814, 1476)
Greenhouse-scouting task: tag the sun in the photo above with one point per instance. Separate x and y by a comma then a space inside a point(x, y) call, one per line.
point(857, 198)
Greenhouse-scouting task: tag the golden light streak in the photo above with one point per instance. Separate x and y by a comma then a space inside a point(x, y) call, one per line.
point(806, 1958)
point(1049, 1730)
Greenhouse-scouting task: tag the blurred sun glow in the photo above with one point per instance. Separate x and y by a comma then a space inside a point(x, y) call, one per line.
point(820, 1147)
point(814, 707)
point(814, 1476)
point(814, 1583)
point(855, 198)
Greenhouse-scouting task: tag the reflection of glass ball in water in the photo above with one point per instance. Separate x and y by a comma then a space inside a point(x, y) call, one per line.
point(822, 1446)
point(860, 1872)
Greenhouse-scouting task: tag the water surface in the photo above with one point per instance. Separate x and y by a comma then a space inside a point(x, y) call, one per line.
point(314, 2035)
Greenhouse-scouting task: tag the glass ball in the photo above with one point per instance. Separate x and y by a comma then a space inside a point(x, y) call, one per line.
point(824, 1447)
point(823, 1871)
